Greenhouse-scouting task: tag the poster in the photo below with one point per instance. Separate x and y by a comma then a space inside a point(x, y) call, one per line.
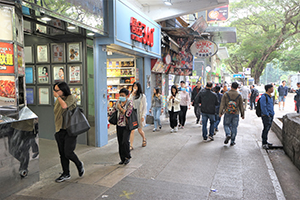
point(21, 62)
point(74, 71)
point(42, 53)
point(219, 14)
point(57, 53)
point(44, 96)
point(6, 32)
point(41, 28)
point(6, 58)
point(59, 24)
point(19, 29)
point(7, 91)
point(29, 75)
point(43, 74)
point(58, 74)
point(74, 52)
point(76, 91)
point(30, 95)
point(28, 54)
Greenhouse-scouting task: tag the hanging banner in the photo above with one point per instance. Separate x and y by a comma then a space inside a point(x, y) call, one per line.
point(204, 48)
point(7, 58)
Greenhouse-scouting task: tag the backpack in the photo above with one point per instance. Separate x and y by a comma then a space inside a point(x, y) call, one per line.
point(232, 105)
point(258, 108)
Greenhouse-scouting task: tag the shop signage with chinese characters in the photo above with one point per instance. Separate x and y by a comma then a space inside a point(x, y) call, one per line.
point(141, 33)
point(7, 58)
point(204, 48)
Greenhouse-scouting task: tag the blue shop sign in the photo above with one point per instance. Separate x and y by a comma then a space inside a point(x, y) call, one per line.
point(238, 76)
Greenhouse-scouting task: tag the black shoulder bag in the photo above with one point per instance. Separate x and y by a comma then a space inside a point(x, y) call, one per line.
point(75, 122)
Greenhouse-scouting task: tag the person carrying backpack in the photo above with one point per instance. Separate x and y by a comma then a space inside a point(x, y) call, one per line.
point(231, 105)
point(267, 114)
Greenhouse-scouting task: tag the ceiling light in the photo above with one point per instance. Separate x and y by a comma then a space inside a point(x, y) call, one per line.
point(91, 34)
point(168, 2)
point(71, 27)
point(47, 19)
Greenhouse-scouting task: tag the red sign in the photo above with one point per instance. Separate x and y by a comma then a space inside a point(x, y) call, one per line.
point(7, 58)
point(204, 48)
point(141, 33)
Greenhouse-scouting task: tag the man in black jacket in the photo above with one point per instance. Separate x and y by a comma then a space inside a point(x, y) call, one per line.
point(195, 92)
point(254, 94)
point(209, 101)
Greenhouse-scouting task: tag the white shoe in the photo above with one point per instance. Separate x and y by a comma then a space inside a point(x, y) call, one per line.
point(279, 108)
point(154, 130)
point(176, 129)
point(283, 108)
point(172, 130)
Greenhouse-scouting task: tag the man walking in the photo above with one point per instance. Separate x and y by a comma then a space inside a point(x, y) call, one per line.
point(208, 101)
point(267, 114)
point(231, 105)
point(217, 118)
point(253, 95)
point(297, 98)
point(195, 92)
point(283, 91)
point(245, 94)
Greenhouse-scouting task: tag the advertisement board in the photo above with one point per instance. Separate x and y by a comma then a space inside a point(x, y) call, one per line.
point(6, 58)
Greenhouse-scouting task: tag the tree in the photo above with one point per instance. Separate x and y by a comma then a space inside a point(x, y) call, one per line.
point(264, 28)
point(290, 60)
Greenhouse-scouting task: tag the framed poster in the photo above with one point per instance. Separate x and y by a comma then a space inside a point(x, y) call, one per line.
point(57, 23)
point(28, 54)
point(27, 26)
point(74, 52)
point(19, 29)
point(7, 58)
point(76, 91)
point(29, 74)
point(41, 29)
point(74, 73)
point(21, 62)
point(8, 91)
point(58, 53)
point(30, 95)
point(58, 73)
point(6, 17)
point(42, 54)
point(43, 74)
point(44, 95)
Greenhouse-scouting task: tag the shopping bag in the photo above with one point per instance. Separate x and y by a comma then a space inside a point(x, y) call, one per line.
point(132, 122)
point(113, 119)
point(75, 122)
point(149, 119)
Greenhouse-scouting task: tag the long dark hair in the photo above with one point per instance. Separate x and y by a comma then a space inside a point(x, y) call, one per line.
point(156, 91)
point(174, 86)
point(64, 87)
point(139, 91)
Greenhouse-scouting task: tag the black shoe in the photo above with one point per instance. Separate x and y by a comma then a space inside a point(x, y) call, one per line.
point(197, 121)
point(126, 161)
point(265, 146)
point(269, 144)
point(81, 170)
point(228, 137)
point(23, 173)
point(121, 163)
point(159, 127)
point(204, 138)
point(211, 138)
point(34, 155)
point(62, 178)
point(232, 143)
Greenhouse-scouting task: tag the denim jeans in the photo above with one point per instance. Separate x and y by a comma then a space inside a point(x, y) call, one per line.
point(156, 115)
point(231, 122)
point(252, 102)
point(218, 119)
point(197, 111)
point(205, 118)
point(267, 122)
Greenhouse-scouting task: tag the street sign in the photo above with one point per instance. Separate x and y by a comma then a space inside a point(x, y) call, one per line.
point(248, 71)
point(238, 76)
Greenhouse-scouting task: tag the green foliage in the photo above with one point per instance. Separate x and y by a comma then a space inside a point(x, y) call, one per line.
point(264, 28)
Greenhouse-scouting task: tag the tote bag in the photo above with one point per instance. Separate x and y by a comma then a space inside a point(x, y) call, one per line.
point(132, 122)
point(75, 122)
point(149, 119)
point(113, 119)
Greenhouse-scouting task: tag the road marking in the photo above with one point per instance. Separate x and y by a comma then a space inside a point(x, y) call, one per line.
point(126, 194)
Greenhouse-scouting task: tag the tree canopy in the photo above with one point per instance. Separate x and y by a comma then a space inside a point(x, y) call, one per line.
point(264, 30)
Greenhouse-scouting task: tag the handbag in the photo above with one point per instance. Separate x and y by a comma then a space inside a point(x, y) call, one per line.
point(75, 122)
point(132, 122)
point(149, 119)
point(113, 119)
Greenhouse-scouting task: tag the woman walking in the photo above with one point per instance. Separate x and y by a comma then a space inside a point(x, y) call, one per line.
point(184, 105)
point(173, 107)
point(66, 144)
point(124, 108)
point(156, 108)
point(140, 104)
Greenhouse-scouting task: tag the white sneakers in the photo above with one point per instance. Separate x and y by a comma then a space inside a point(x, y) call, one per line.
point(172, 130)
point(176, 129)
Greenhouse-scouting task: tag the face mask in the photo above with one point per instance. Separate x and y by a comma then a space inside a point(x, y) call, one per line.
point(183, 89)
point(122, 99)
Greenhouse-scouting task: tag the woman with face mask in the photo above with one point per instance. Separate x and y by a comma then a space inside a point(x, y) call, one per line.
point(156, 108)
point(124, 108)
point(140, 104)
point(184, 105)
point(173, 107)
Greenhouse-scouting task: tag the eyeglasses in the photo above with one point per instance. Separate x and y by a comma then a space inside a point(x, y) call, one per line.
point(56, 90)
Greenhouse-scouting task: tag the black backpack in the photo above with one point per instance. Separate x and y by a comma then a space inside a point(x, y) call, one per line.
point(258, 108)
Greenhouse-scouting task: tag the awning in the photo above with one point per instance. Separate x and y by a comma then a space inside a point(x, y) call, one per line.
point(222, 35)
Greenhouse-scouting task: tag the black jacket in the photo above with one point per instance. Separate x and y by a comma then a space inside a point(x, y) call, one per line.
point(194, 93)
point(208, 101)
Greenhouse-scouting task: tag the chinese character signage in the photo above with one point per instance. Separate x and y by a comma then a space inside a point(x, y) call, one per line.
point(6, 58)
point(218, 14)
point(204, 48)
point(141, 33)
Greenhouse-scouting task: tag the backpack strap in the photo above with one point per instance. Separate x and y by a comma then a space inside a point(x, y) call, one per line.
point(237, 97)
point(266, 98)
point(228, 96)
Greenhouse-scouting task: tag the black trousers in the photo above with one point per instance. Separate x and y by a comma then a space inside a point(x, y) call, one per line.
point(123, 135)
point(66, 146)
point(173, 118)
point(182, 115)
point(197, 111)
point(252, 102)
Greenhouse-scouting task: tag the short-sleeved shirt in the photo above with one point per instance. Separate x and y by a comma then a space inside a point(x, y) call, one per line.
point(58, 110)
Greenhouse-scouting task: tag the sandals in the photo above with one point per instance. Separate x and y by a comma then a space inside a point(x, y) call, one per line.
point(131, 148)
point(144, 143)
